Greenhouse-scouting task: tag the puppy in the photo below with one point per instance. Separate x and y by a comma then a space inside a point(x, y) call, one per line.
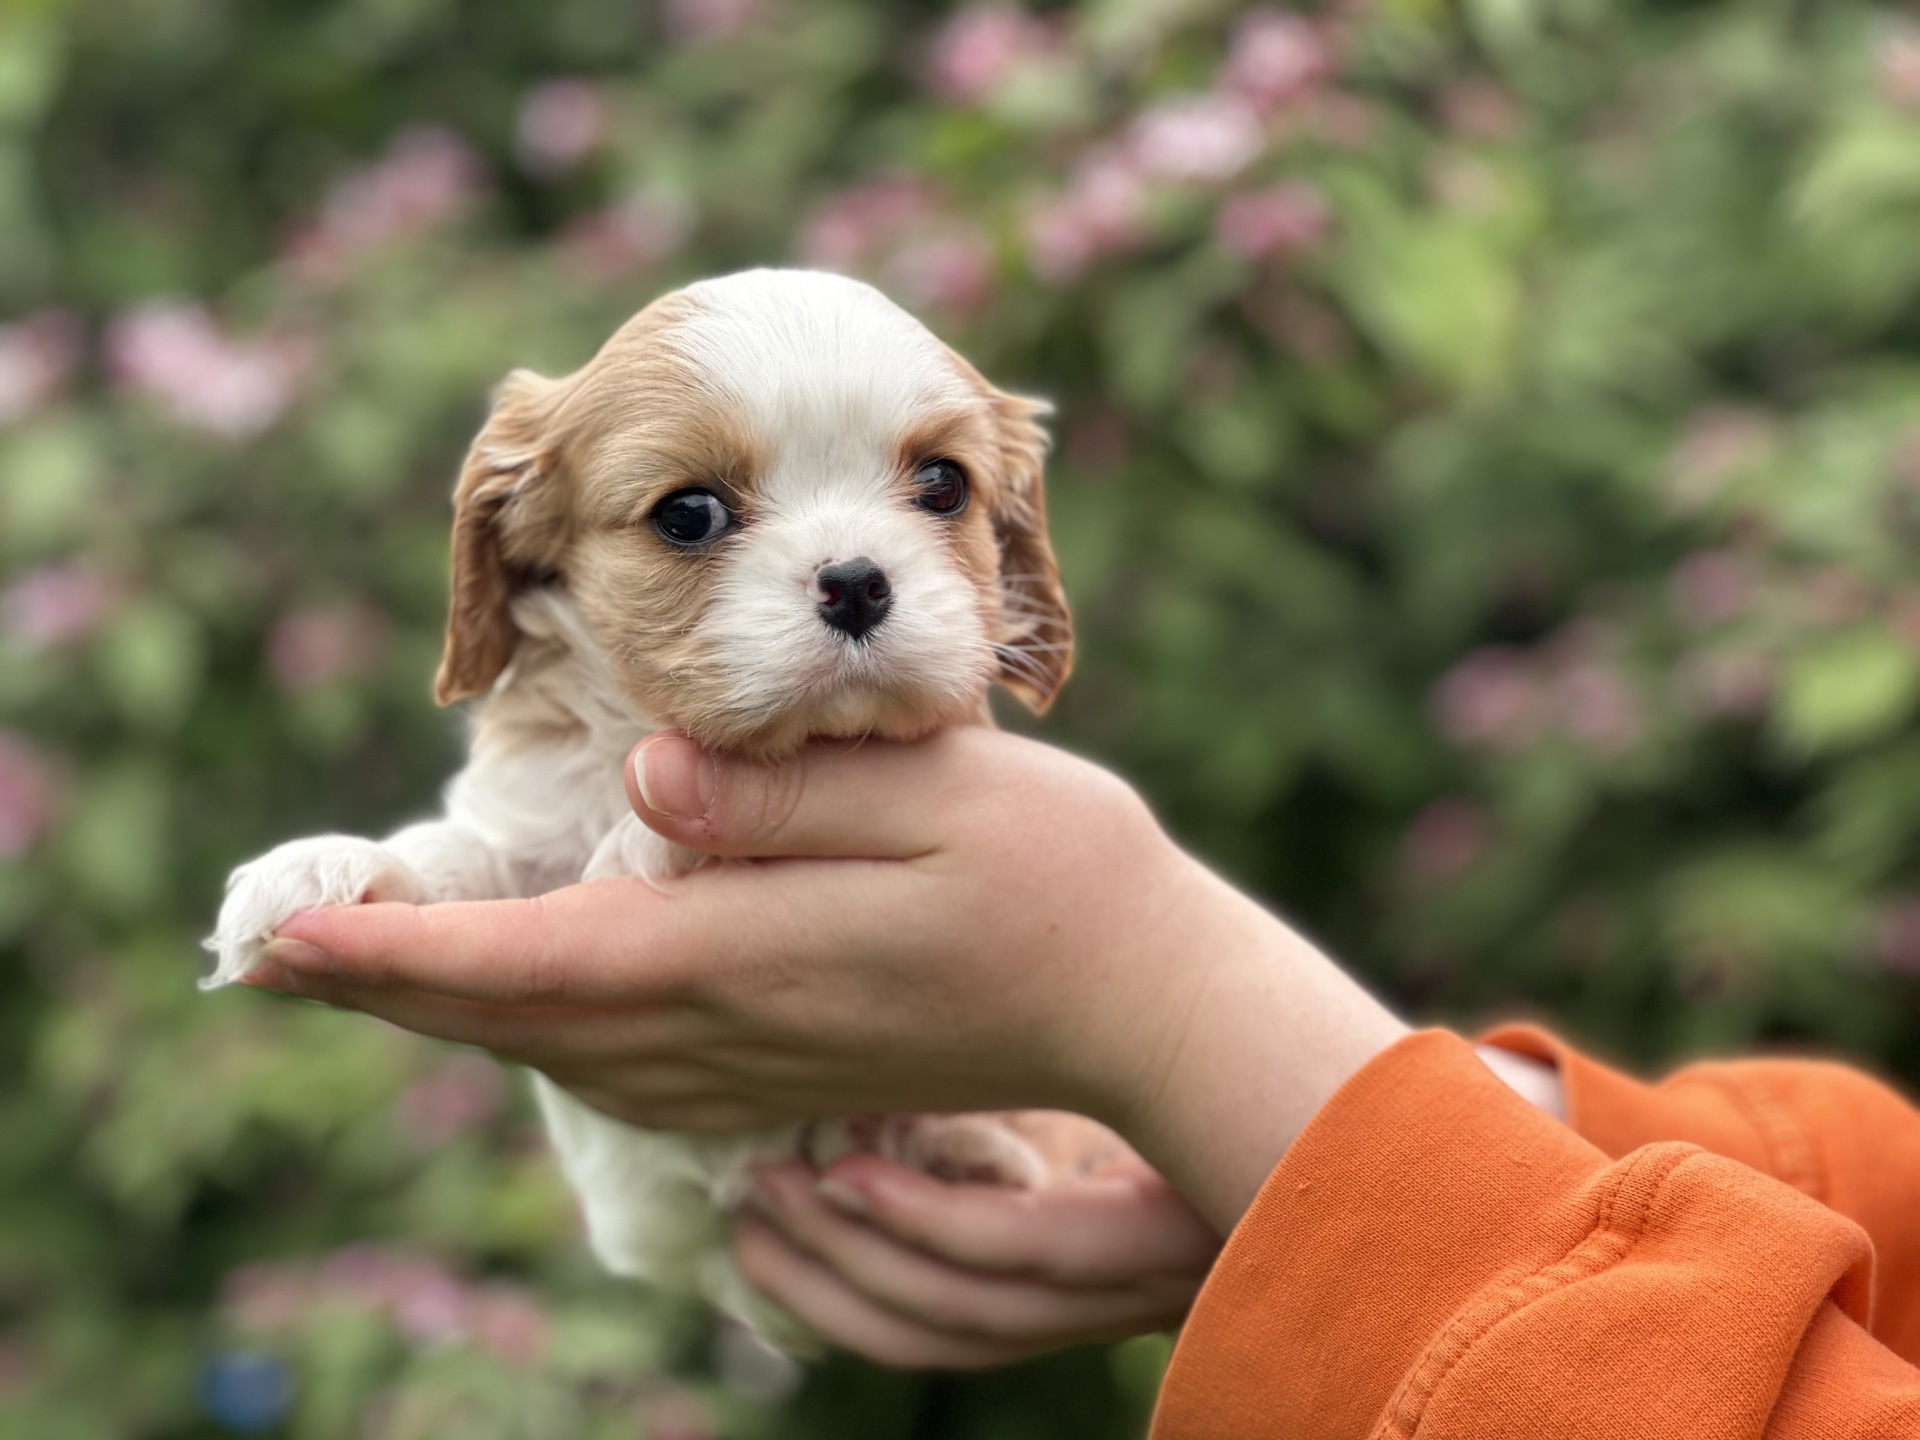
point(773, 507)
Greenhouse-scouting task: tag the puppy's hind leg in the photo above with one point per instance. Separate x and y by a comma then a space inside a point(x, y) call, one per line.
point(656, 1203)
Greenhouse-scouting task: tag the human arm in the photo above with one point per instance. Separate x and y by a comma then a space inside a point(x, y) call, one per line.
point(972, 922)
point(990, 959)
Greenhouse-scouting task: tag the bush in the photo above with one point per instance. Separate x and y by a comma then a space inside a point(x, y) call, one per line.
point(1488, 478)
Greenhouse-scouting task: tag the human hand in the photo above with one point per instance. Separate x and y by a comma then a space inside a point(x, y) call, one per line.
point(916, 1272)
point(972, 922)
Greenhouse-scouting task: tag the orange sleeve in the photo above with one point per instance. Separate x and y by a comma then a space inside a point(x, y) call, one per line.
point(1435, 1257)
point(1828, 1131)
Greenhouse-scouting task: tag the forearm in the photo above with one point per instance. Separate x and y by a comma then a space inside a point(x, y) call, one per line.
point(1265, 1030)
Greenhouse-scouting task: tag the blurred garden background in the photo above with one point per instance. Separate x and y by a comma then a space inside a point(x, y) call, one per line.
point(1488, 477)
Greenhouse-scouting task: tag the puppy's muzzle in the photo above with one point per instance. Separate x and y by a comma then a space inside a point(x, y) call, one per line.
point(855, 595)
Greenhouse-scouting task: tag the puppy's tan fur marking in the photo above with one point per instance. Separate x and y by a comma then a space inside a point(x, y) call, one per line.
point(559, 486)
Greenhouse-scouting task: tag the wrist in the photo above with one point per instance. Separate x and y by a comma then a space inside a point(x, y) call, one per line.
point(1257, 1031)
point(1535, 1081)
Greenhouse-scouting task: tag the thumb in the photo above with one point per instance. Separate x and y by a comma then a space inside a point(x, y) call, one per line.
point(876, 800)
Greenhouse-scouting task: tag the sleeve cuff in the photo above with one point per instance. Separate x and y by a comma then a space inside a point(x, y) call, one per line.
point(1308, 1313)
point(1619, 1114)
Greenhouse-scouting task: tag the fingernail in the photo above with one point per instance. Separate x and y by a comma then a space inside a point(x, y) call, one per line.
point(676, 777)
point(285, 954)
point(843, 1197)
point(267, 976)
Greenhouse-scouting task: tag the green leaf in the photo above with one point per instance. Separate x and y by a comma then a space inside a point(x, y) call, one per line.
point(150, 662)
point(1438, 295)
point(1846, 690)
point(115, 843)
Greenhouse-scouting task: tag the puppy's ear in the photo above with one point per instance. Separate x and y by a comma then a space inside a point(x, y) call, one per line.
point(1034, 637)
point(509, 466)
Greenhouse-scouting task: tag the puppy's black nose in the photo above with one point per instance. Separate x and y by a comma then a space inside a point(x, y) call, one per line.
point(855, 595)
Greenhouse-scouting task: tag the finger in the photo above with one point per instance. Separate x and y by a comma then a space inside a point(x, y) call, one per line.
point(623, 942)
point(1103, 1229)
point(581, 945)
point(835, 798)
point(818, 1298)
point(512, 1032)
point(999, 1308)
point(542, 1036)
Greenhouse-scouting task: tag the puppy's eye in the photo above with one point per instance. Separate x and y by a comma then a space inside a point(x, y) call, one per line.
point(691, 517)
point(942, 487)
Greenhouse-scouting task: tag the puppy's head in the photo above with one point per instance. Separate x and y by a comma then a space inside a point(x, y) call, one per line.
point(781, 506)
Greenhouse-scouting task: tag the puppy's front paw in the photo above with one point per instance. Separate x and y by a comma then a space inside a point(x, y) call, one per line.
point(630, 848)
point(264, 894)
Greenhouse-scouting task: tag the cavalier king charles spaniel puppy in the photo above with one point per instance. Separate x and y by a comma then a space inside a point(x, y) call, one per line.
point(773, 507)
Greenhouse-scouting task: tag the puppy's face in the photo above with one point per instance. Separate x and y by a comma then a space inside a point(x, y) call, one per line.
point(783, 508)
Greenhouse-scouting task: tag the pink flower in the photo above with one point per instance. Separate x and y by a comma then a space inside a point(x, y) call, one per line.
point(1060, 244)
point(1896, 939)
point(951, 270)
point(265, 1297)
point(427, 1302)
point(1276, 57)
point(431, 1307)
point(509, 1323)
point(851, 226)
point(55, 605)
point(1492, 698)
point(1898, 60)
point(1480, 110)
point(1710, 588)
point(1718, 442)
point(698, 21)
point(1102, 211)
point(641, 230)
point(979, 47)
point(173, 353)
point(1284, 219)
point(462, 1092)
point(312, 648)
point(427, 178)
point(1598, 707)
point(38, 356)
point(1205, 138)
point(560, 124)
point(27, 795)
point(1725, 683)
point(1445, 840)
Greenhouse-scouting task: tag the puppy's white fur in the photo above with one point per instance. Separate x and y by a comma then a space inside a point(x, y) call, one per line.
point(807, 392)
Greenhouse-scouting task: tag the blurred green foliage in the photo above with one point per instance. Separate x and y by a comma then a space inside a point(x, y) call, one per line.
point(1489, 481)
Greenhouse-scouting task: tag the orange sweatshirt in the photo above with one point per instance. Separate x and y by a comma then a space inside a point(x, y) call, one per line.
point(1733, 1253)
